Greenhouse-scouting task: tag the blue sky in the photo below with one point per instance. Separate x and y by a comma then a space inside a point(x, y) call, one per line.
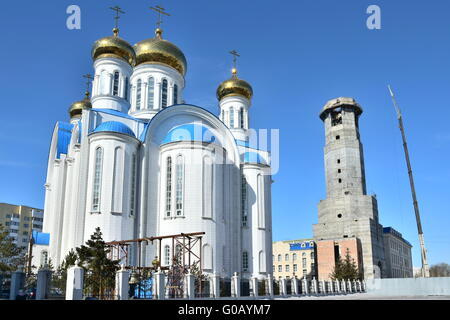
point(296, 54)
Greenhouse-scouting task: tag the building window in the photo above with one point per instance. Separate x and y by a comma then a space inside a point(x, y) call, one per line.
point(97, 179)
point(294, 257)
point(150, 93)
point(179, 185)
point(244, 199)
point(133, 184)
point(241, 118)
point(304, 262)
point(116, 84)
point(231, 117)
point(168, 186)
point(287, 268)
point(138, 94)
point(127, 85)
point(338, 137)
point(338, 160)
point(295, 268)
point(280, 268)
point(175, 94)
point(166, 255)
point(340, 180)
point(164, 94)
point(245, 261)
point(312, 255)
point(305, 272)
point(339, 171)
point(279, 257)
point(286, 257)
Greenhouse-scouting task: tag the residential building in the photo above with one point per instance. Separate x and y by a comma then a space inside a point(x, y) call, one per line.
point(294, 258)
point(397, 254)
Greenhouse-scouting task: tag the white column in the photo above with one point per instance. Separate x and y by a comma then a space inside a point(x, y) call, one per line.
point(294, 285)
point(122, 285)
point(43, 284)
point(214, 286)
point(74, 285)
point(283, 287)
point(170, 95)
point(17, 283)
point(324, 288)
point(269, 287)
point(344, 287)
point(236, 285)
point(254, 286)
point(305, 286)
point(315, 286)
point(349, 285)
point(157, 102)
point(189, 292)
point(159, 286)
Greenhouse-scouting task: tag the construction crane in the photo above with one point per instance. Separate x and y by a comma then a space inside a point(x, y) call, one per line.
point(425, 268)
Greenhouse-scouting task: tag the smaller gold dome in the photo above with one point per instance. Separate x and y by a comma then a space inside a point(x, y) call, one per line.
point(113, 46)
point(234, 86)
point(158, 50)
point(76, 109)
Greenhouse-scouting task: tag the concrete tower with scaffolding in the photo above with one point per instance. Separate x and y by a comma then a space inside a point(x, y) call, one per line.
point(348, 213)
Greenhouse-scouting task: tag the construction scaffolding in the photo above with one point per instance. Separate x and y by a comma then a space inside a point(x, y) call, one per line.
point(186, 256)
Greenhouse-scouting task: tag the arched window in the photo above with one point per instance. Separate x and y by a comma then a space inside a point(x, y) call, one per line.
point(97, 179)
point(294, 257)
point(279, 257)
point(138, 94)
point(207, 187)
point(231, 117)
point(286, 257)
point(241, 118)
point(179, 185)
point(244, 205)
point(175, 94)
point(245, 261)
point(262, 261)
point(166, 255)
point(168, 186)
point(133, 184)
point(116, 84)
point(164, 94)
point(260, 197)
point(117, 194)
point(151, 93)
point(127, 85)
point(207, 257)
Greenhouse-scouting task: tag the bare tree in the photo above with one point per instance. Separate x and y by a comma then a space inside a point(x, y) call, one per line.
point(440, 270)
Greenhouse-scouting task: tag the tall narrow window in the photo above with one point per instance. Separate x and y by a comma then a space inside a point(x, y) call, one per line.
point(168, 186)
point(164, 94)
point(245, 261)
point(223, 116)
point(116, 84)
point(150, 93)
point(97, 179)
point(175, 94)
point(127, 85)
point(260, 197)
point(117, 194)
point(244, 200)
point(231, 117)
point(207, 187)
point(241, 118)
point(133, 184)
point(179, 186)
point(166, 255)
point(138, 94)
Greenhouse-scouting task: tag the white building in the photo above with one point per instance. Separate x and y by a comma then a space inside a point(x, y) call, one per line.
point(136, 161)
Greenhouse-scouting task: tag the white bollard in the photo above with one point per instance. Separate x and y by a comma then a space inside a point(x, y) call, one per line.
point(349, 286)
point(74, 285)
point(344, 289)
point(305, 286)
point(189, 293)
point(214, 286)
point(269, 286)
point(160, 292)
point(254, 286)
point(324, 288)
point(315, 286)
point(122, 284)
point(236, 285)
point(283, 287)
point(294, 285)
point(338, 286)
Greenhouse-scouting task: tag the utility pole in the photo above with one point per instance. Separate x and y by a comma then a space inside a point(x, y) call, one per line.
point(425, 268)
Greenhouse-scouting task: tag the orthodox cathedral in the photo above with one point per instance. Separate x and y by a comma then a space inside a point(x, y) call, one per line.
point(136, 161)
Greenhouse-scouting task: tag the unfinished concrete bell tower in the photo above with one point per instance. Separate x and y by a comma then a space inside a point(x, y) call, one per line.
point(348, 212)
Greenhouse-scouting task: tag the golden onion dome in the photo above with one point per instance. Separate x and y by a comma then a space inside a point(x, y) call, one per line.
point(160, 51)
point(233, 87)
point(115, 47)
point(76, 109)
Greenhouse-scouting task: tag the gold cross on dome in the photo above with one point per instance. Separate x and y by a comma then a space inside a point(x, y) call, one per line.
point(160, 11)
point(118, 11)
point(88, 81)
point(235, 55)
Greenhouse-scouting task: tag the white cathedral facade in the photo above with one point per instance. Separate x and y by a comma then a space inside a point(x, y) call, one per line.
point(136, 161)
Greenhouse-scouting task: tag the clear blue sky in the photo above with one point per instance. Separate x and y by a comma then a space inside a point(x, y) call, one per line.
point(296, 54)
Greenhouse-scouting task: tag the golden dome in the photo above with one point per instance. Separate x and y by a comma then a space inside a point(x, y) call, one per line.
point(76, 108)
point(158, 50)
point(234, 86)
point(113, 46)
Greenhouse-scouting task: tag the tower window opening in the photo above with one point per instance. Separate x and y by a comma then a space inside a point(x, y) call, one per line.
point(175, 94)
point(339, 170)
point(338, 137)
point(150, 92)
point(116, 84)
point(340, 180)
point(241, 118)
point(336, 118)
point(138, 94)
point(231, 117)
point(164, 94)
point(97, 179)
point(127, 84)
point(179, 185)
point(168, 186)
point(339, 215)
point(338, 160)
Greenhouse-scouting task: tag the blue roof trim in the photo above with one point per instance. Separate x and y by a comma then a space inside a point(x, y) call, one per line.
point(118, 114)
point(41, 238)
point(301, 246)
point(242, 143)
point(64, 136)
point(253, 157)
point(395, 233)
point(189, 132)
point(114, 126)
